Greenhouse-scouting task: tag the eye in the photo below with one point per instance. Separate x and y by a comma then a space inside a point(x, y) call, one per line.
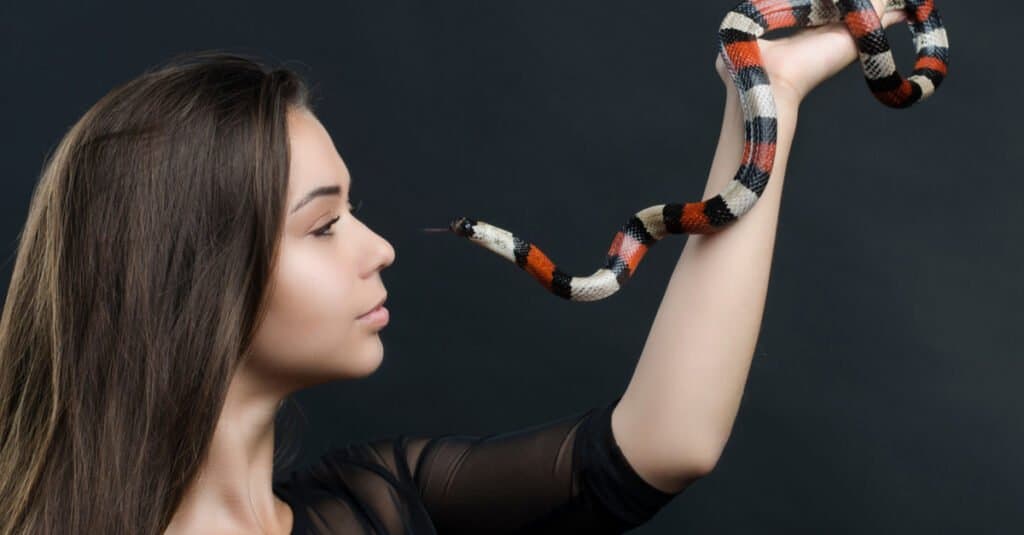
point(323, 231)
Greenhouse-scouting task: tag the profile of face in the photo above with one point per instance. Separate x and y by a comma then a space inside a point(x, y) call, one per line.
point(327, 274)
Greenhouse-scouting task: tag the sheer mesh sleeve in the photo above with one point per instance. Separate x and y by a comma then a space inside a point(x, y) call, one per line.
point(564, 476)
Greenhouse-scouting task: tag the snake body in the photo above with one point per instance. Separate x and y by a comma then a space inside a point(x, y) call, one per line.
point(738, 35)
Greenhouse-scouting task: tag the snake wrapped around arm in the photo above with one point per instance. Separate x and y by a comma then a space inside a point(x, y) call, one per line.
point(738, 46)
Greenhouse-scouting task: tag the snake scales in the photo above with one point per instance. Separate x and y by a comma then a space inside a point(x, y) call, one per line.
point(738, 35)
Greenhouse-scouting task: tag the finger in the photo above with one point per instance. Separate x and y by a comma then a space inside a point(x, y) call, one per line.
point(879, 6)
point(838, 30)
point(892, 17)
point(888, 18)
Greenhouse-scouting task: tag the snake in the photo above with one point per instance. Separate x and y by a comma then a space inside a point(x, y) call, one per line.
point(738, 45)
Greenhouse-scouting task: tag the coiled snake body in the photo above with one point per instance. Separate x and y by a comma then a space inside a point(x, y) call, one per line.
point(738, 46)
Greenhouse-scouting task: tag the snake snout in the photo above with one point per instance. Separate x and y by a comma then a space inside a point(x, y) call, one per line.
point(463, 226)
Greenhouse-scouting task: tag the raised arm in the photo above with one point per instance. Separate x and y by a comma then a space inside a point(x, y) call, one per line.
point(678, 410)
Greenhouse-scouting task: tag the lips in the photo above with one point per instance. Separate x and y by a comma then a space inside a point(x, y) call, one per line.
point(379, 303)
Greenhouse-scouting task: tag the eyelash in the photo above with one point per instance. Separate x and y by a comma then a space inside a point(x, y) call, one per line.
point(323, 231)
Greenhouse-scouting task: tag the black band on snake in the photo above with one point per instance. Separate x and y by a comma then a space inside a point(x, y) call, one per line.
point(738, 35)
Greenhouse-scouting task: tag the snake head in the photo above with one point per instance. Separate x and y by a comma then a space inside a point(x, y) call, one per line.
point(463, 226)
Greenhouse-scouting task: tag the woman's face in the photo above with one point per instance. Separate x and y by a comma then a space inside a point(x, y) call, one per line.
point(313, 331)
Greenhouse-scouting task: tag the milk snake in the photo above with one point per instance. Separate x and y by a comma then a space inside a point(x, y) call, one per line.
point(738, 46)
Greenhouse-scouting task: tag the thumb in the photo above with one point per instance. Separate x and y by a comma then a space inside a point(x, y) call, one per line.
point(892, 17)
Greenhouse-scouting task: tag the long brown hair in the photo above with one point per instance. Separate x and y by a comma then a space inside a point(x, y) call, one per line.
point(140, 278)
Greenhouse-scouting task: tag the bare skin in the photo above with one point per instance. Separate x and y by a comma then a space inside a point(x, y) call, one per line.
point(678, 410)
point(311, 335)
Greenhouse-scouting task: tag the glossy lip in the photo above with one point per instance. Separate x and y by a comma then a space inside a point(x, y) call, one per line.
point(375, 307)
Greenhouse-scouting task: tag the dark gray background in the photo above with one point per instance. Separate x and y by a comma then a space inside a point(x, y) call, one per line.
point(885, 392)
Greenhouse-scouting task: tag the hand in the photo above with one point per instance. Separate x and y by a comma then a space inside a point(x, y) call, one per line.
point(796, 64)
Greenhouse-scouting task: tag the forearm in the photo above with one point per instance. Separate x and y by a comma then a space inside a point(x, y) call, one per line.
point(678, 410)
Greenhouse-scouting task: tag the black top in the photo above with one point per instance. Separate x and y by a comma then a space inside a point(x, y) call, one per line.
point(564, 476)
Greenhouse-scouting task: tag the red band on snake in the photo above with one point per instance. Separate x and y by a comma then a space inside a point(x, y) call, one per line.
point(738, 45)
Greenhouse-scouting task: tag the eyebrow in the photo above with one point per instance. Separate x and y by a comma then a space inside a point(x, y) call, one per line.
point(320, 191)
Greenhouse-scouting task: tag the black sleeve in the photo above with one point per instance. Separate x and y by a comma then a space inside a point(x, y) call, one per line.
point(564, 476)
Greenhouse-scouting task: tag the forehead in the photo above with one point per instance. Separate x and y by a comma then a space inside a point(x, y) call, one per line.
point(314, 158)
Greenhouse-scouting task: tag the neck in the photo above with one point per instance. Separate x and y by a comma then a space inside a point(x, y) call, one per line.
point(232, 493)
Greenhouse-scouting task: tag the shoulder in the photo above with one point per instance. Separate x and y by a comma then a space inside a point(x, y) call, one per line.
point(358, 484)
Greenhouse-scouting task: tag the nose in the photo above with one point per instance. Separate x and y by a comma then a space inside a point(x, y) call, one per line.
point(382, 253)
point(388, 254)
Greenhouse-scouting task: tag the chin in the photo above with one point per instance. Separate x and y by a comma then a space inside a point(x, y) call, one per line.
point(355, 366)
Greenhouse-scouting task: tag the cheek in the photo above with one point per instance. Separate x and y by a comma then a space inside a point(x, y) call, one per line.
point(323, 285)
point(311, 309)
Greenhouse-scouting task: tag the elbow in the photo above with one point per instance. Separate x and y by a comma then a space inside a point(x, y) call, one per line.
point(678, 471)
point(698, 461)
point(708, 452)
point(683, 472)
point(672, 455)
point(692, 454)
point(703, 462)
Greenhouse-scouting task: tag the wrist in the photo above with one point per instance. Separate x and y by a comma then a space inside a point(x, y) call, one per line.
point(786, 95)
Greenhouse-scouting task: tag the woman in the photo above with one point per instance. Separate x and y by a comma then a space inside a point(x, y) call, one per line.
point(190, 259)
